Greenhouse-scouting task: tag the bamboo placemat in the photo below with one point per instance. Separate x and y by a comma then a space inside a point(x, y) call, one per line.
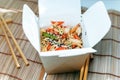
point(104, 66)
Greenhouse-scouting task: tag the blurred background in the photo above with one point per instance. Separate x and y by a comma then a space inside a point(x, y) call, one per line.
point(110, 4)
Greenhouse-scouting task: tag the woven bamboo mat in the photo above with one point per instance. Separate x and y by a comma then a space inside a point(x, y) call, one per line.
point(104, 66)
point(8, 70)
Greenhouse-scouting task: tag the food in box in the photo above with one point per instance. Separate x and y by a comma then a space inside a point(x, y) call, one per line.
point(60, 37)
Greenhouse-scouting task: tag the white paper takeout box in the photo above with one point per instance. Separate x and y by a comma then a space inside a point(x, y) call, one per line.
point(95, 24)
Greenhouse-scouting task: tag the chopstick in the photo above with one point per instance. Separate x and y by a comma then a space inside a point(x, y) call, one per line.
point(10, 46)
point(86, 68)
point(82, 72)
point(15, 42)
point(42, 73)
point(7, 21)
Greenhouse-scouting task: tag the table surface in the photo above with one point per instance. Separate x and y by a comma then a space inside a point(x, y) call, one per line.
point(104, 66)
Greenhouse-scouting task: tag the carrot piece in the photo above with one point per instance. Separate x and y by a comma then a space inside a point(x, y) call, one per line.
point(76, 36)
point(53, 22)
point(60, 48)
point(57, 22)
point(60, 22)
point(49, 46)
point(50, 30)
point(64, 36)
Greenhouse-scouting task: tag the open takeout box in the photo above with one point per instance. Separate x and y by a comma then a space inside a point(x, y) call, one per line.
point(95, 24)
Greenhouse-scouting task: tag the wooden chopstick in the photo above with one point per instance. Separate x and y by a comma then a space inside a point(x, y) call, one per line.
point(42, 73)
point(82, 72)
point(11, 49)
point(14, 40)
point(86, 68)
point(7, 21)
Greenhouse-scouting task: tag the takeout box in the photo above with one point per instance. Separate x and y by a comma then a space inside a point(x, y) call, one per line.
point(95, 24)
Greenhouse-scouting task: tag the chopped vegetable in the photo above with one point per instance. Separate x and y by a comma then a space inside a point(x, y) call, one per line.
point(49, 46)
point(53, 22)
point(76, 36)
point(60, 37)
point(51, 36)
point(64, 35)
point(60, 22)
point(50, 30)
point(57, 22)
point(60, 48)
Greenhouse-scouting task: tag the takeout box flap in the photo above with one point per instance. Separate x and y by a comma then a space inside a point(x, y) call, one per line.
point(30, 27)
point(96, 22)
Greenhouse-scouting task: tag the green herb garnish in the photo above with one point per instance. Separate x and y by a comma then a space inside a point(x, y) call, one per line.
point(51, 36)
